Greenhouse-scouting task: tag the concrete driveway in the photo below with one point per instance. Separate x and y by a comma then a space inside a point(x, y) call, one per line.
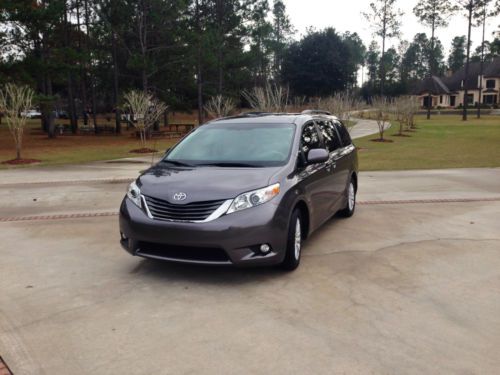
point(409, 285)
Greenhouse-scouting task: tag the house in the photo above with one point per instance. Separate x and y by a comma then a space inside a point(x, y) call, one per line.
point(449, 91)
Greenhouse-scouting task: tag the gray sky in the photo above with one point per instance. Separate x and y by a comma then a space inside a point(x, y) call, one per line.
point(346, 15)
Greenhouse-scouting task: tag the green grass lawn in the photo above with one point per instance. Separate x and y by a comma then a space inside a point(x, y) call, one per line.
point(71, 149)
point(443, 142)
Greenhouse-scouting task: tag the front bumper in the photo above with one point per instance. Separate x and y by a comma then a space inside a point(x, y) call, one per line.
point(229, 240)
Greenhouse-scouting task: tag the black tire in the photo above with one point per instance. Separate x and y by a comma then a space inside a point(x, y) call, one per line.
point(348, 211)
point(292, 261)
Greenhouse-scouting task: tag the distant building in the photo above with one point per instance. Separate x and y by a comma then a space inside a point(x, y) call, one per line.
point(448, 91)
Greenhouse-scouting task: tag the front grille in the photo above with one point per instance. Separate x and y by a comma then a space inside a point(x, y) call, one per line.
point(182, 253)
point(196, 211)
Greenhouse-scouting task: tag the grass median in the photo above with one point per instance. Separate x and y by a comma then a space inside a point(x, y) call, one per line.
point(443, 142)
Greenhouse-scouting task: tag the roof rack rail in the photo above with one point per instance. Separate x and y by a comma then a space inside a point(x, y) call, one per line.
point(316, 112)
point(255, 114)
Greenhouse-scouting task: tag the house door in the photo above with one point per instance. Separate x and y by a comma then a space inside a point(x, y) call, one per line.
point(453, 101)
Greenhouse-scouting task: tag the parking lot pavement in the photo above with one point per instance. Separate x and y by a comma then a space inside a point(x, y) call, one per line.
point(399, 288)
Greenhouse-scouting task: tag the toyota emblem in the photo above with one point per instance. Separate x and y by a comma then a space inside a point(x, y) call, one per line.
point(180, 196)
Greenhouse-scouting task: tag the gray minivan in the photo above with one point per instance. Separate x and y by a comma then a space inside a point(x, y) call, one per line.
point(244, 190)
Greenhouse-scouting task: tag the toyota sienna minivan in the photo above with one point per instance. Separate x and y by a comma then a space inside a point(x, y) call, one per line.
point(244, 191)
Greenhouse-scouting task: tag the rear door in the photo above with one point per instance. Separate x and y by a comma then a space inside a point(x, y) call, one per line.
point(345, 156)
point(335, 163)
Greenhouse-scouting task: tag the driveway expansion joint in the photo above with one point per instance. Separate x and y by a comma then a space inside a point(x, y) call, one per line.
point(82, 215)
point(4, 369)
point(68, 182)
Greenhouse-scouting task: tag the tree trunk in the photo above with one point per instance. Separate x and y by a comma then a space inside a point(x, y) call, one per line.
point(39, 52)
point(467, 62)
point(143, 37)
point(165, 118)
point(90, 66)
point(382, 68)
point(118, 124)
point(431, 72)
point(482, 65)
point(51, 128)
point(83, 73)
point(71, 100)
point(18, 150)
point(220, 35)
point(72, 107)
point(200, 91)
point(199, 81)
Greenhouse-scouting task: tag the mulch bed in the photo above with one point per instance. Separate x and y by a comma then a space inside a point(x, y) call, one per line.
point(382, 140)
point(21, 161)
point(143, 151)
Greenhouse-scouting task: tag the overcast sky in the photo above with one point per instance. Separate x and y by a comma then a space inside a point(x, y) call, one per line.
point(345, 15)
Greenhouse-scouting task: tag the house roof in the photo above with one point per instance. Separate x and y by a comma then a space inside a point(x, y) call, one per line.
point(449, 85)
point(493, 69)
point(434, 85)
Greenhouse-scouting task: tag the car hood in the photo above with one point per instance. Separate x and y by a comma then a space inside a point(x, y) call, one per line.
point(203, 183)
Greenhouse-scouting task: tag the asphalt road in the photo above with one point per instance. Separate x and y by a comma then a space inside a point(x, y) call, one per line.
point(409, 285)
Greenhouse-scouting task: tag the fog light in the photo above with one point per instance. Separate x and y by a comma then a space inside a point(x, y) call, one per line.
point(265, 248)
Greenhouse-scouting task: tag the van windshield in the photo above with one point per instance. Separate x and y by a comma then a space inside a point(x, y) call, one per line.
point(235, 145)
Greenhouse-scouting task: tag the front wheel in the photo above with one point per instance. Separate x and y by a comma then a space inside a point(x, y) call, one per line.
point(348, 211)
point(294, 243)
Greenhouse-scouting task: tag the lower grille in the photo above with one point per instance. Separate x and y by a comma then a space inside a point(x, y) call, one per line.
point(183, 253)
point(196, 211)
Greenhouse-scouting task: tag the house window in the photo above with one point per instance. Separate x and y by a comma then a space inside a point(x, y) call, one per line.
point(470, 99)
point(490, 99)
point(490, 84)
point(441, 99)
point(452, 101)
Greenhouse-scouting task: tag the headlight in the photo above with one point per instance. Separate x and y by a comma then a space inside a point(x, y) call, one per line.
point(134, 194)
point(254, 198)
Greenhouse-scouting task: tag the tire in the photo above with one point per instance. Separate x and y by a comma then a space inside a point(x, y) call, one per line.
point(295, 233)
point(350, 200)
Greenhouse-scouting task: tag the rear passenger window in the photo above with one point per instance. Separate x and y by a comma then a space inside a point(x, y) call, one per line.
point(344, 134)
point(330, 136)
point(310, 138)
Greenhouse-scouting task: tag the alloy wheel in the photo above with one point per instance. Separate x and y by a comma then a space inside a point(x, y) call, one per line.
point(351, 197)
point(298, 239)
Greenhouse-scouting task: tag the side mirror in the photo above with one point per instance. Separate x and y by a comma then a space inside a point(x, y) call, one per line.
point(317, 155)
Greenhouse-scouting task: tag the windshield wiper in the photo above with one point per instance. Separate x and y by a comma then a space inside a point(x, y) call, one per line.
point(230, 164)
point(178, 163)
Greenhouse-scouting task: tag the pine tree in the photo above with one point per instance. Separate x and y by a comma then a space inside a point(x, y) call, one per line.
point(282, 31)
point(433, 13)
point(481, 15)
point(456, 57)
point(385, 20)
